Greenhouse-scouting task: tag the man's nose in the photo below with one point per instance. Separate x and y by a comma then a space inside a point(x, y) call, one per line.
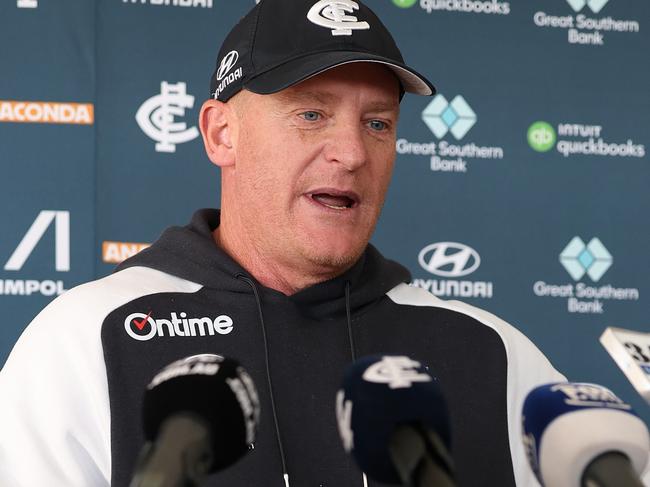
point(347, 146)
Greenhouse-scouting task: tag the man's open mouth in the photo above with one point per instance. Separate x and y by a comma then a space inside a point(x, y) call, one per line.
point(335, 200)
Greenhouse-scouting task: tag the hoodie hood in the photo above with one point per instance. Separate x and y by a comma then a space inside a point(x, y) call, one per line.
point(191, 253)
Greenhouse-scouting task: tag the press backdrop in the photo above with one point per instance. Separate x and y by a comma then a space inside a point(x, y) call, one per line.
point(522, 188)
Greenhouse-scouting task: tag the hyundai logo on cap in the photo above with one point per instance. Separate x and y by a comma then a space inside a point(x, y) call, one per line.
point(282, 42)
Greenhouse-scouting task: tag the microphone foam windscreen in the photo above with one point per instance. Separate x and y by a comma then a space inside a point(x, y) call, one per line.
point(380, 393)
point(216, 389)
point(567, 425)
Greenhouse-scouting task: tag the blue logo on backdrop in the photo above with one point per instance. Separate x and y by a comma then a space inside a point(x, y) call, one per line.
point(595, 5)
point(442, 117)
point(592, 259)
point(456, 117)
point(580, 259)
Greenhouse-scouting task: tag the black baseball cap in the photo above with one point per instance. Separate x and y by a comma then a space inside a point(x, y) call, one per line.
point(282, 42)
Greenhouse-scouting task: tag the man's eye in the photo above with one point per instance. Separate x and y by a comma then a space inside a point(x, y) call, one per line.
point(310, 116)
point(378, 125)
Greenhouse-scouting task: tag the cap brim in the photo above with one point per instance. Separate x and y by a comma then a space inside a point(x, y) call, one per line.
point(300, 69)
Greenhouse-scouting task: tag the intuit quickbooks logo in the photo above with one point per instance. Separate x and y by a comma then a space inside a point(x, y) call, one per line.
point(442, 118)
point(572, 139)
point(456, 117)
point(405, 3)
point(595, 5)
point(593, 260)
point(541, 136)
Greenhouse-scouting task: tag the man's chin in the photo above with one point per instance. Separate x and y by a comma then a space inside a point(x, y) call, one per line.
point(337, 260)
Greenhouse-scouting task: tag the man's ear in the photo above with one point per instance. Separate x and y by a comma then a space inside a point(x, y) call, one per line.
point(216, 121)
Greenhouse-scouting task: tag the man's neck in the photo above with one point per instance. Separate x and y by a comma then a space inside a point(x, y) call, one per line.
point(283, 278)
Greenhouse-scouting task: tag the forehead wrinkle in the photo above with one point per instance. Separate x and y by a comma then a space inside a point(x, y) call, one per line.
point(302, 96)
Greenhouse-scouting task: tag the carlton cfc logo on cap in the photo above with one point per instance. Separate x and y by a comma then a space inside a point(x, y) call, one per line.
point(332, 14)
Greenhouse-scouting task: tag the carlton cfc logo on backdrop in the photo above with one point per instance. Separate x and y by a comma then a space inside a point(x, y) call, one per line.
point(25, 248)
point(144, 327)
point(333, 14)
point(156, 117)
point(449, 259)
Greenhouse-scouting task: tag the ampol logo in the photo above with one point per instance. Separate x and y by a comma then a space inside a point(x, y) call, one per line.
point(595, 5)
point(449, 259)
point(442, 116)
point(156, 117)
point(25, 248)
point(144, 327)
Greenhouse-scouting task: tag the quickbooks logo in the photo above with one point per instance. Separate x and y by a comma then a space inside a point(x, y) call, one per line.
point(579, 139)
point(405, 3)
point(443, 117)
point(456, 117)
point(541, 136)
point(595, 5)
point(593, 259)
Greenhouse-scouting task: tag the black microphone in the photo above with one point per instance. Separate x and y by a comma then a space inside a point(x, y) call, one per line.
point(582, 435)
point(200, 416)
point(393, 418)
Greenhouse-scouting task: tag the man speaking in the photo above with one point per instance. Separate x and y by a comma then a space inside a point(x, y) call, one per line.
point(302, 123)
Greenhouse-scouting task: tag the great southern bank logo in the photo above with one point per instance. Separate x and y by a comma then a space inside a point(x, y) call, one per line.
point(592, 259)
point(583, 29)
point(156, 117)
point(144, 327)
point(595, 5)
point(451, 120)
point(456, 117)
point(452, 260)
point(581, 259)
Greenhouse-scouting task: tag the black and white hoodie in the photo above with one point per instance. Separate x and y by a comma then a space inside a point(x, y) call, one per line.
point(71, 390)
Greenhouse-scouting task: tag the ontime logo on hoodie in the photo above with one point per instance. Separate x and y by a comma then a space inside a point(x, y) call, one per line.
point(144, 327)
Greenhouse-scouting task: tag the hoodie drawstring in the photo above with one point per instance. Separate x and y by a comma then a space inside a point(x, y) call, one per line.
point(353, 354)
point(251, 283)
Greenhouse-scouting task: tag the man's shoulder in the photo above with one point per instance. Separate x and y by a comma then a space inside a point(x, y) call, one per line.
point(84, 307)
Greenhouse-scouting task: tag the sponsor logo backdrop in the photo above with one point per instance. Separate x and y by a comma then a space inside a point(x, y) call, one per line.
point(521, 188)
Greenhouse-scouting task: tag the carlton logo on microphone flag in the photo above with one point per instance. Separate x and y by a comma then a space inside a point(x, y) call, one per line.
point(144, 327)
point(156, 117)
point(395, 372)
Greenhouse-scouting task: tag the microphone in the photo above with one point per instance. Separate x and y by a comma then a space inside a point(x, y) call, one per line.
point(200, 416)
point(631, 352)
point(582, 435)
point(393, 418)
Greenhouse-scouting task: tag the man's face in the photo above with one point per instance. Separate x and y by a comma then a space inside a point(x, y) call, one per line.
point(313, 163)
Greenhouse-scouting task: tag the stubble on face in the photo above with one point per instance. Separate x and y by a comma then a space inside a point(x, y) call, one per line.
point(281, 157)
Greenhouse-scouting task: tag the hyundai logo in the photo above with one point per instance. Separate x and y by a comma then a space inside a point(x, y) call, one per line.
point(449, 259)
